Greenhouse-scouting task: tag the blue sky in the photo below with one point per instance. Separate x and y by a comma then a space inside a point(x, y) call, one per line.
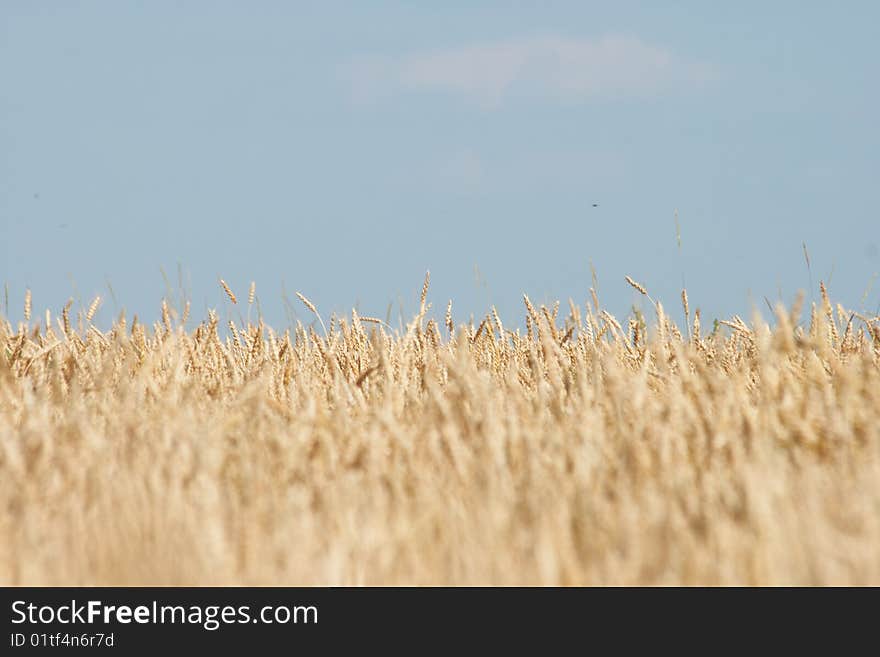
point(341, 149)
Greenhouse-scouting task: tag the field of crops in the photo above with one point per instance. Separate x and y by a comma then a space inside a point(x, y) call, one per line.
point(578, 449)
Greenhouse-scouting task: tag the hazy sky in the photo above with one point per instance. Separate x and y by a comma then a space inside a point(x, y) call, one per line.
point(344, 148)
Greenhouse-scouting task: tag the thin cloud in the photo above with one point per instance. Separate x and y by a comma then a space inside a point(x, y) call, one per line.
point(551, 66)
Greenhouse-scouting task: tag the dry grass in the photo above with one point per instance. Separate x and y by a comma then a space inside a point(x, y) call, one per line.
point(578, 454)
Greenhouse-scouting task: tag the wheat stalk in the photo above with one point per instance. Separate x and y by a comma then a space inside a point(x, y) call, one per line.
point(687, 313)
point(93, 308)
point(65, 318)
point(482, 326)
point(166, 316)
point(308, 304)
point(424, 295)
point(228, 291)
point(498, 325)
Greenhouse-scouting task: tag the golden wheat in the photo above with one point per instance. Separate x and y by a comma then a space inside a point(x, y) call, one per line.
point(637, 286)
point(65, 318)
point(424, 294)
point(228, 291)
point(93, 308)
point(579, 454)
point(308, 304)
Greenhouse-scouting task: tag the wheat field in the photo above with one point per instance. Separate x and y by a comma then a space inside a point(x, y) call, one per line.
point(578, 450)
